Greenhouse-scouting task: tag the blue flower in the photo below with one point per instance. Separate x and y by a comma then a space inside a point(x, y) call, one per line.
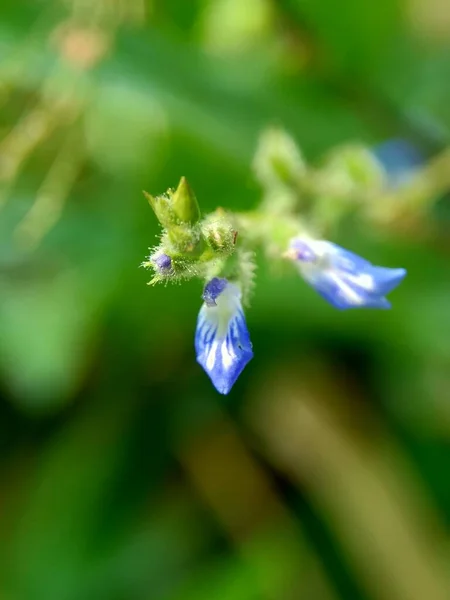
point(222, 342)
point(344, 279)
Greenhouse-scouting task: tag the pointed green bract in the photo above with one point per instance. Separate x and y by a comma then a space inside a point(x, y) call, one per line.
point(162, 207)
point(184, 203)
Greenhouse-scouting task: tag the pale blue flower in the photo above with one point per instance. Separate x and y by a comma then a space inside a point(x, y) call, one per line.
point(222, 342)
point(344, 279)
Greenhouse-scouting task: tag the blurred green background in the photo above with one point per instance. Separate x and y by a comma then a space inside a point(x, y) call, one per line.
point(123, 474)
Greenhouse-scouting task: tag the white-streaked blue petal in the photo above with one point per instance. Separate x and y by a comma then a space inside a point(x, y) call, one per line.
point(344, 294)
point(343, 278)
point(344, 259)
point(222, 342)
point(386, 279)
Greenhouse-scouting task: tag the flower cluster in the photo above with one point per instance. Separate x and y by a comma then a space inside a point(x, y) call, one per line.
point(211, 249)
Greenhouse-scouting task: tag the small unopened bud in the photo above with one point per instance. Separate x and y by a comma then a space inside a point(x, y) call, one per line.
point(184, 203)
point(186, 240)
point(349, 169)
point(162, 207)
point(278, 160)
point(220, 235)
point(162, 264)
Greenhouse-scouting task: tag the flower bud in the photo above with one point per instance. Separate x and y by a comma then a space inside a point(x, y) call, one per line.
point(184, 203)
point(162, 264)
point(349, 169)
point(278, 160)
point(186, 240)
point(162, 207)
point(219, 234)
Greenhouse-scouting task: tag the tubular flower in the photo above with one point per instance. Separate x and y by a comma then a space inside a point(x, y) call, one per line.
point(222, 342)
point(344, 279)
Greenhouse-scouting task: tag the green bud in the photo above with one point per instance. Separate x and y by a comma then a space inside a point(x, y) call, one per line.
point(348, 169)
point(219, 234)
point(162, 207)
point(348, 178)
point(278, 160)
point(184, 203)
point(187, 241)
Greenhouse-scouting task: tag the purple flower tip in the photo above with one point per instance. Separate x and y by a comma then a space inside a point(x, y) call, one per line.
point(303, 251)
point(213, 289)
point(163, 263)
